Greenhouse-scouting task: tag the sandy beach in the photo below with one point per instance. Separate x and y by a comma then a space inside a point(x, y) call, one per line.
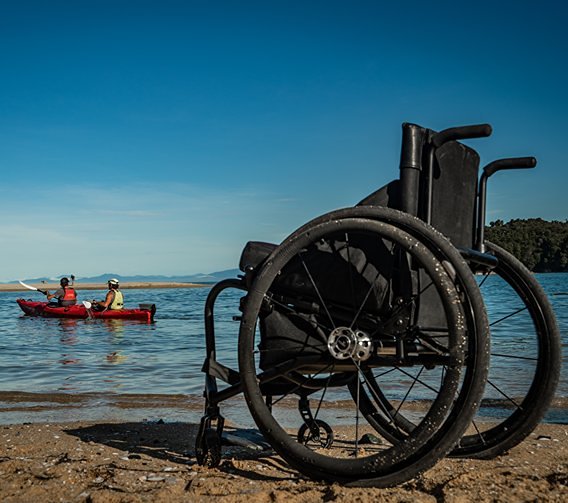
point(155, 462)
point(15, 287)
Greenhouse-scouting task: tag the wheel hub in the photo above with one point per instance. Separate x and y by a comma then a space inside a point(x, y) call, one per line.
point(344, 343)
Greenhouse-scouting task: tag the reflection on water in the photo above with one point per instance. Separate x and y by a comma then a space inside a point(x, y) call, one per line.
point(116, 357)
point(120, 357)
point(126, 356)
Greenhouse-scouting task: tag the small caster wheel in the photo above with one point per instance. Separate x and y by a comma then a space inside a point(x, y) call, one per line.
point(323, 437)
point(213, 447)
point(208, 440)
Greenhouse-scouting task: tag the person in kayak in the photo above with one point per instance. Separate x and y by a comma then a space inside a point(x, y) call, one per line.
point(114, 299)
point(66, 295)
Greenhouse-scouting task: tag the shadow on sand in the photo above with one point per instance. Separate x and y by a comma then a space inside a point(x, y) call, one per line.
point(175, 443)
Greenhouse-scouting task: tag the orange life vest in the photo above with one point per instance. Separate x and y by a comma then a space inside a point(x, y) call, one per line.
point(70, 294)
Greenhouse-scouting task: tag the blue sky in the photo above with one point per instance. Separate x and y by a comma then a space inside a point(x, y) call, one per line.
point(158, 137)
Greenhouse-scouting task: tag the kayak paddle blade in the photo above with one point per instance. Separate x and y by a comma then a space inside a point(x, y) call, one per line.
point(29, 287)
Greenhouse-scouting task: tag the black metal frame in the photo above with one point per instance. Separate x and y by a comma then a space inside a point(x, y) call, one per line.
point(412, 193)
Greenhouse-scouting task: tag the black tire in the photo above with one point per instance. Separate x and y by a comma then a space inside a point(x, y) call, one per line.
point(523, 330)
point(378, 309)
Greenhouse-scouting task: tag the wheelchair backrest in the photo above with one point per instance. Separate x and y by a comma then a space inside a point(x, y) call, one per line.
point(454, 177)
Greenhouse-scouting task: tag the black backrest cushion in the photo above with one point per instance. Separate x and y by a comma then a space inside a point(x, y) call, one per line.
point(454, 190)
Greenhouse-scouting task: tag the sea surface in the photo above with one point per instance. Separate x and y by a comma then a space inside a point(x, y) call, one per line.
point(67, 370)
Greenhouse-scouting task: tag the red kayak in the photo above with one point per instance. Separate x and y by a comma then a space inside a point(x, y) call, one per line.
point(32, 308)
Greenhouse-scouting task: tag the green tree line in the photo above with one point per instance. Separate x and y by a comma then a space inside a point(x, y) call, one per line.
point(541, 245)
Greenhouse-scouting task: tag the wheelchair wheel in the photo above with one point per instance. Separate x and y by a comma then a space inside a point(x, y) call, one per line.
point(525, 359)
point(332, 302)
point(393, 422)
point(524, 366)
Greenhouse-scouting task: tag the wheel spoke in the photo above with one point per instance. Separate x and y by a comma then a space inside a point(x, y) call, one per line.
point(379, 397)
point(496, 388)
point(515, 357)
point(323, 303)
point(485, 276)
point(520, 310)
point(307, 379)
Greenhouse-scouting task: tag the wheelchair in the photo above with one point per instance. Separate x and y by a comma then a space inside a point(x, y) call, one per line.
point(364, 338)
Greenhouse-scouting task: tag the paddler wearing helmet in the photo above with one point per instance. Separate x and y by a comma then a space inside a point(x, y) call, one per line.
point(66, 295)
point(114, 299)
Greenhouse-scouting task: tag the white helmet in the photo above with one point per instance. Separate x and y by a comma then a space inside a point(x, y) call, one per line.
point(113, 282)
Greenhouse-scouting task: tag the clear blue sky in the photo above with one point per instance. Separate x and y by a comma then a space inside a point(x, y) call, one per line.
point(158, 137)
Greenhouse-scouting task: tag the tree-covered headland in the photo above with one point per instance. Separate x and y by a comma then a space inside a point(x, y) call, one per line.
point(541, 245)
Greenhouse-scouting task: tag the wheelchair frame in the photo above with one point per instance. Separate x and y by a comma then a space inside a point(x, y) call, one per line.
point(431, 163)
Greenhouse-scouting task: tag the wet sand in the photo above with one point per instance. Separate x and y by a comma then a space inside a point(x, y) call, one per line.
point(155, 462)
point(11, 287)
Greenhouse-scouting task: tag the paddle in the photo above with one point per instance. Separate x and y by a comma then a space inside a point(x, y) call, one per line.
point(29, 287)
point(88, 306)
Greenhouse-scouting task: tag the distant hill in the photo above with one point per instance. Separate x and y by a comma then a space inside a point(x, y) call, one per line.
point(213, 277)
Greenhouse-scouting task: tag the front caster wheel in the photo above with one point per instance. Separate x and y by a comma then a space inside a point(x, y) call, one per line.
point(323, 437)
point(208, 442)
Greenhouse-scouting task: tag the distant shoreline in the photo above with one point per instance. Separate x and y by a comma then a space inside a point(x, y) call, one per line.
point(129, 285)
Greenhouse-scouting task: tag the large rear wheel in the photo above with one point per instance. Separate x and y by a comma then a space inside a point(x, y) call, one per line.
point(524, 366)
point(334, 301)
point(525, 359)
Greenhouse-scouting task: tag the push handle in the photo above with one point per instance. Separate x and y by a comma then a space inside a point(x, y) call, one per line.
point(492, 167)
point(510, 163)
point(461, 133)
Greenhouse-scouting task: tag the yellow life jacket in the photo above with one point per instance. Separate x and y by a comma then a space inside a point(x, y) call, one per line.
point(117, 301)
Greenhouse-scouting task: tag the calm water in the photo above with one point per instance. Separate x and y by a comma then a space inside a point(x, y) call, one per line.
point(85, 369)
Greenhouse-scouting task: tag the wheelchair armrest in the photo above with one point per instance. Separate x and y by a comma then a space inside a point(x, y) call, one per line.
point(254, 254)
point(478, 258)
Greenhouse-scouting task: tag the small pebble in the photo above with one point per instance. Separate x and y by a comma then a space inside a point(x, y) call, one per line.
point(155, 478)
